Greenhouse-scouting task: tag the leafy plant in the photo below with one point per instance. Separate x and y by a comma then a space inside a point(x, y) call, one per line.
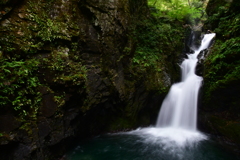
point(155, 41)
point(19, 85)
point(222, 65)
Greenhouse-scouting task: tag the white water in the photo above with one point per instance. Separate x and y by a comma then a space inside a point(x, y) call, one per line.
point(179, 108)
point(176, 124)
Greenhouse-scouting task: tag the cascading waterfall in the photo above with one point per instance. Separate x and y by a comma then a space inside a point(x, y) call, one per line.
point(176, 125)
point(175, 136)
point(179, 108)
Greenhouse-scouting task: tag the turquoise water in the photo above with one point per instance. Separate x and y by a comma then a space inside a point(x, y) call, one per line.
point(140, 146)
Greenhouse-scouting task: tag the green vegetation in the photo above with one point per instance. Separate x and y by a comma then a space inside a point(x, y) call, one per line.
point(19, 85)
point(64, 70)
point(157, 36)
point(42, 29)
point(179, 9)
point(222, 65)
point(161, 33)
point(157, 40)
point(224, 62)
point(40, 47)
point(37, 52)
point(44, 84)
point(47, 29)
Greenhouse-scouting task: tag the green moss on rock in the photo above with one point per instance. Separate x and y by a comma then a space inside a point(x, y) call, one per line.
point(221, 77)
point(80, 68)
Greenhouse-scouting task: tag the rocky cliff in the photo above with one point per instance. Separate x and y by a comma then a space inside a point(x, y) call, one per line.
point(220, 109)
point(76, 68)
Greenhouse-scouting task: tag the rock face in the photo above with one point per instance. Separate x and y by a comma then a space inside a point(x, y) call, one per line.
point(67, 71)
point(219, 113)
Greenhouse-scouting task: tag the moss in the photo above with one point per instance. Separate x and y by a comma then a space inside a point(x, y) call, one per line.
point(66, 70)
point(32, 31)
point(154, 36)
point(37, 37)
point(222, 64)
point(28, 127)
point(221, 75)
point(155, 51)
point(214, 5)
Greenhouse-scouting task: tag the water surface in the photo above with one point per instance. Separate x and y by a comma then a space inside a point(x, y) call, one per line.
point(151, 144)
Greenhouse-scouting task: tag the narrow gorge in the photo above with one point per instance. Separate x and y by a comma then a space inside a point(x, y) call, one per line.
point(74, 69)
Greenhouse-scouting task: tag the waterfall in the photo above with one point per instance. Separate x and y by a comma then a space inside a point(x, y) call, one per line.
point(179, 108)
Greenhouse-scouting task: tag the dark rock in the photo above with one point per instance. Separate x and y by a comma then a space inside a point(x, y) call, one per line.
point(202, 54)
point(87, 83)
point(8, 123)
point(199, 69)
point(44, 128)
point(192, 41)
point(7, 150)
point(49, 106)
point(21, 152)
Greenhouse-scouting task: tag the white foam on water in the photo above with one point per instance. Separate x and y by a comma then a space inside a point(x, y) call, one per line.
point(169, 137)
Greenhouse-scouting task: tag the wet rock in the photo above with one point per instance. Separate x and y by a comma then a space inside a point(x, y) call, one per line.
point(202, 54)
